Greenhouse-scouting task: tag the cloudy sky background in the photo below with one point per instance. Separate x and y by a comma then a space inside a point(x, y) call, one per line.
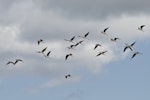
point(113, 76)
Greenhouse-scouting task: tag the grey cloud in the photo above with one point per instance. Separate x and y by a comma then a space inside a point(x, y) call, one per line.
point(55, 19)
point(86, 9)
point(96, 9)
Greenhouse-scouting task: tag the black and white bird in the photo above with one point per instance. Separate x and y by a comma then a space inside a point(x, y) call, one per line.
point(71, 46)
point(47, 55)
point(129, 46)
point(97, 45)
point(80, 42)
point(101, 53)
point(104, 31)
point(141, 28)
point(39, 41)
point(114, 39)
point(68, 56)
point(66, 76)
point(71, 40)
point(85, 36)
point(14, 63)
point(134, 54)
point(42, 51)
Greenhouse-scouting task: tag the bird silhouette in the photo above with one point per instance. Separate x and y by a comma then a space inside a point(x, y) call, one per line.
point(14, 63)
point(42, 51)
point(71, 40)
point(101, 53)
point(39, 41)
point(135, 53)
point(104, 31)
point(97, 46)
point(114, 39)
point(129, 46)
point(66, 76)
point(47, 55)
point(85, 36)
point(71, 46)
point(80, 42)
point(68, 56)
point(141, 28)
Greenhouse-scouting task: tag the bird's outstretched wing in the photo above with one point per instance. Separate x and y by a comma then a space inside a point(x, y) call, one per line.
point(86, 34)
point(48, 53)
point(125, 49)
point(44, 49)
point(68, 56)
point(106, 29)
point(133, 43)
point(142, 26)
point(72, 38)
point(10, 62)
point(17, 60)
point(133, 55)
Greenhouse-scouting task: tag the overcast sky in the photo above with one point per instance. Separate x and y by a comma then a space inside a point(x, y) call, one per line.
point(112, 76)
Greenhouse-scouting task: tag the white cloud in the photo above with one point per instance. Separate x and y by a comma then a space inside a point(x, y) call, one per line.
point(28, 22)
point(84, 54)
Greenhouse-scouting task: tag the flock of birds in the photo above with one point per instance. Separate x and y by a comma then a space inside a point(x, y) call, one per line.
point(75, 44)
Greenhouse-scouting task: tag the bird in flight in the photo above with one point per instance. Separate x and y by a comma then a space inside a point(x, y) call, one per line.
point(104, 31)
point(66, 76)
point(85, 36)
point(71, 40)
point(114, 39)
point(129, 46)
point(97, 45)
point(101, 53)
point(39, 41)
point(71, 46)
point(141, 28)
point(80, 42)
point(47, 55)
point(42, 51)
point(68, 56)
point(14, 63)
point(135, 53)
